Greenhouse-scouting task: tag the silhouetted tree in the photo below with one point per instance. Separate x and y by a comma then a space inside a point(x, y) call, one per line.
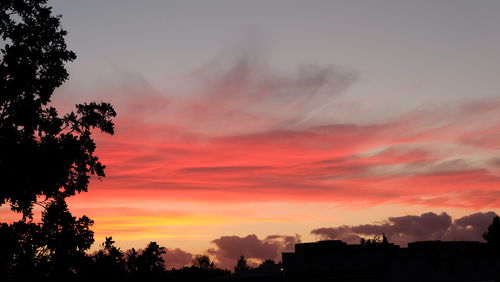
point(150, 259)
point(267, 262)
point(54, 248)
point(132, 261)
point(201, 269)
point(148, 264)
point(109, 262)
point(385, 242)
point(65, 239)
point(43, 156)
point(241, 265)
point(21, 251)
point(377, 240)
point(203, 262)
point(492, 236)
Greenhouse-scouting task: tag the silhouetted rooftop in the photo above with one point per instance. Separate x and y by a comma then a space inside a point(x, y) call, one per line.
point(335, 260)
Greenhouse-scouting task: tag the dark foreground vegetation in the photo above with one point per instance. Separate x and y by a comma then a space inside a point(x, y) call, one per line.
point(46, 157)
point(26, 259)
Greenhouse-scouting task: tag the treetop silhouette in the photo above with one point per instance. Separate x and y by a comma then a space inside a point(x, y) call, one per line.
point(377, 241)
point(241, 265)
point(203, 262)
point(43, 155)
point(492, 235)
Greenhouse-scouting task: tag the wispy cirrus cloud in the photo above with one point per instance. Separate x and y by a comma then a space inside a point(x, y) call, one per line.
point(242, 133)
point(240, 129)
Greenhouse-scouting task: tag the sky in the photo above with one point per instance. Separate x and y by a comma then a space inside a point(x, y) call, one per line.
point(247, 126)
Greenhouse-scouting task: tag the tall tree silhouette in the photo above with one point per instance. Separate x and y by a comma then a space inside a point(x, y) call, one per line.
point(241, 265)
point(492, 235)
point(65, 239)
point(109, 262)
point(148, 264)
point(22, 251)
point(43, 155)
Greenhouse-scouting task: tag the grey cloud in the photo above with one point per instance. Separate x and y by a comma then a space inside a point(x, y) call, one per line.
point(344, 233)
point(230, 248)
point(177, 258)
point(249, 92)
point(404, 229)
point(470, 227)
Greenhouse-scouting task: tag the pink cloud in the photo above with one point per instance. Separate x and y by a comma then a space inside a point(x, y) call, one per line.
point(177, 258)
point(241, 133)
point(229, 248)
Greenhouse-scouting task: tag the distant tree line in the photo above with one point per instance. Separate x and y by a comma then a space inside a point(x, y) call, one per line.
point(377, 241)
point(46, 157)
point(27, 258)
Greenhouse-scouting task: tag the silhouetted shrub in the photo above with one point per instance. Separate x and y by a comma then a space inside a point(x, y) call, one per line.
point(241, 265)
point(492, 235)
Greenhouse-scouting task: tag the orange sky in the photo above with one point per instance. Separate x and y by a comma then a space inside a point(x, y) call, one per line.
point(242, 151)
point(331, 117)
point(301, 116)
point(214, 159)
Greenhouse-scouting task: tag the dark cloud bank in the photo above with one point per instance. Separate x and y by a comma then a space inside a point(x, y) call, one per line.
point(409, 228)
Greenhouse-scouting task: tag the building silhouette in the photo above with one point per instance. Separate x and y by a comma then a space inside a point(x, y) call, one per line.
point(335, 260)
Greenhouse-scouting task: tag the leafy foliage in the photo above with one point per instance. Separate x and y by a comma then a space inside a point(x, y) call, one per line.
point(108, 263)
point(203, 262)
point(492, 236)
point(54, 248)
point(241, 265)
point(150, 260)
point(377, 241)
point(267, 263)
point(41, 153)
point(146, 264)
point(44, 157)
point(21, 250)
point(65, 238)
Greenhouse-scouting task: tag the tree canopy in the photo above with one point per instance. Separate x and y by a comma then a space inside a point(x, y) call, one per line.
point(492, 235)
point(203, 262)
point(241, 265)
point(43, 155)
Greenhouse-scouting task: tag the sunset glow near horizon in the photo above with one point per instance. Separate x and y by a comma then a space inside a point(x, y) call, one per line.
point(280, 118)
